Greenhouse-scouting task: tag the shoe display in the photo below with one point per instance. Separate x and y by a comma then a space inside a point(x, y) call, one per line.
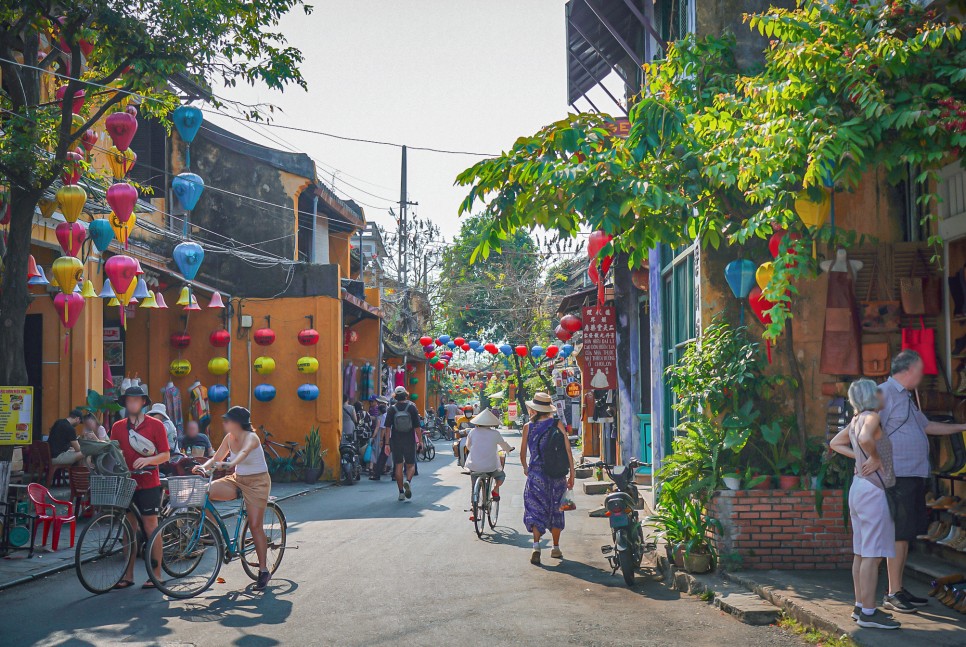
point(898, 603)
point(933, 527)
point(877, 620)
point(940, 532)
point(953, 534)
point(943, 503)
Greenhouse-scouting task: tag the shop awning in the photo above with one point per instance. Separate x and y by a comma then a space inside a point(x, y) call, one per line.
point(358, 308)
point(586, 297)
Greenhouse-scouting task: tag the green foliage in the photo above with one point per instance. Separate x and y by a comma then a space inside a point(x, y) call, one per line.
point(100, 404)
point(684, 520)
point(284, 469)
point(313, 449)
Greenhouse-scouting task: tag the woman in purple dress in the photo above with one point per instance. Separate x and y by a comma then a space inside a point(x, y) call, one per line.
point(542, 494)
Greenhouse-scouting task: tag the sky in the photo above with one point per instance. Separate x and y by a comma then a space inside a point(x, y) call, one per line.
point(463, 75)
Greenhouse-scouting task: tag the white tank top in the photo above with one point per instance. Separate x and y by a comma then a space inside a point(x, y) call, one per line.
point(254, 463)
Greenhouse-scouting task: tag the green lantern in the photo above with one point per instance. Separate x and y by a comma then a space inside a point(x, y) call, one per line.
point(414, 380)
point(414, 397)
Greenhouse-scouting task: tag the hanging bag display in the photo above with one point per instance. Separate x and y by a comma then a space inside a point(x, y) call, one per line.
point(875, 359)
point(923, 341)
point(881, 315)
point(921, 295)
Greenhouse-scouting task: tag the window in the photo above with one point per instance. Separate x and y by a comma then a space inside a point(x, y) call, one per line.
point(150, 144)
point(679, 318)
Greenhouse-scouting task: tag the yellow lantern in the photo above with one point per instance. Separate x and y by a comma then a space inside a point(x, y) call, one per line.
point(307, 365)
point(126, 297)
point(47, 207)
point(122, 230)
point(813, 214)
point(71, 199)
point(88, 291)
point(218, 366)
point(113, 302)
point(149, 301)
point(121, 162)
point(184, 299)
point(264, 365)
point(764, 273)
point(180, 367)
point(67, 271)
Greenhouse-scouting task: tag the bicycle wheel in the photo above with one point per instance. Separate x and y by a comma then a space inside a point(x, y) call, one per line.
point(479, 506)
point(197, 554)
point(103, 551)
point(493, 513)
point(431, 453)
point(273, 522)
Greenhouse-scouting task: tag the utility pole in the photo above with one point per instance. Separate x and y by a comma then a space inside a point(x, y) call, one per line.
point(404, 205)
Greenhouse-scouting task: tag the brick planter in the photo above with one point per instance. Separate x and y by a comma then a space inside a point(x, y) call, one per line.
point(780, 529)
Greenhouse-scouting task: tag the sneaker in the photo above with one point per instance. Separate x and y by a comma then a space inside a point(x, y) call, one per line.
point(407, 490)
point(914, 600)
point(555, 553)
point(262, 582)
point(877, 620)
point(856, 612)
point(898, 603)
point(402, 496)
point(535, 557)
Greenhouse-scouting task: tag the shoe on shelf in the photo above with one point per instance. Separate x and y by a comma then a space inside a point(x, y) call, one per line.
point(877, 620)
point(954, 532)
point(930, 499)
point(914, 600)
point(933, 528)
point(944, 503)
point(940, 532)
point(898, 603)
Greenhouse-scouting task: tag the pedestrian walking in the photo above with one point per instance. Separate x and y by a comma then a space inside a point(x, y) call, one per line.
point(402, 421)
point(380, 444)
point(873, 529)
point(543, 492)
point(908, 430)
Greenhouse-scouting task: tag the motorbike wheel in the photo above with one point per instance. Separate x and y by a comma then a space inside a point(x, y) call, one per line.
point(347, 476)
point(626, 560)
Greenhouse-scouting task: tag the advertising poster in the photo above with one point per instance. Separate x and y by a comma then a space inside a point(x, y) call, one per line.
point(16, 415)
point(600, 346)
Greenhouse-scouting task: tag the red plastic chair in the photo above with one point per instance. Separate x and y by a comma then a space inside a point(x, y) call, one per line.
point(80, 490)
point(46, 511)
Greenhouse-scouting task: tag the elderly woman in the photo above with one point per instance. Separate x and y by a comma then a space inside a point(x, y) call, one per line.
point(873, 530)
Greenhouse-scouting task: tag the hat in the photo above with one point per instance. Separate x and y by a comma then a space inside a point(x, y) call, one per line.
point(486, 418)
point(136, 390)
point(381, 399)
point(241, 415)
point(401, 390)
point(159, 409)
point(541, 402)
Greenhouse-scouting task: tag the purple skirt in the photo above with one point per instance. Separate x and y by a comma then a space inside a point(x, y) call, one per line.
point(541, 501)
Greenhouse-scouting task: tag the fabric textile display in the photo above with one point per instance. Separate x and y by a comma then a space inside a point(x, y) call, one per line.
point(923, 341)
point(842, 339)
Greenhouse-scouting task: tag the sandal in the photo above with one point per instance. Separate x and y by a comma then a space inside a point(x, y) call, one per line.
point(123, 584)
point(149, 584)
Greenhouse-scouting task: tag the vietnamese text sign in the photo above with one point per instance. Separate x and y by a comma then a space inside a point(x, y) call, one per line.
point(600, 346)
point(16, 415)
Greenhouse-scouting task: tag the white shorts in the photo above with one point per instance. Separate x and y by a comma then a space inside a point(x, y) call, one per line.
point(873, 531)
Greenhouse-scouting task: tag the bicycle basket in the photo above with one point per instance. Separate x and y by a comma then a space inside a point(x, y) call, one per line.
point(187, 491)
point(112, 491)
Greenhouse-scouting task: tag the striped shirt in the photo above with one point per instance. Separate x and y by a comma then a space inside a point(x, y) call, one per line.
point(905, 425)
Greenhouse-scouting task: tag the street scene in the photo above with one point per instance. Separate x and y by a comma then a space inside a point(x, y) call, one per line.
point(585, 322)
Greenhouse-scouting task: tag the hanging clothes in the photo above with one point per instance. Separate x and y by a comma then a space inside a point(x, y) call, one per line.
point(171, 397)
point(842, 340)
point(400, 377)
point(366, 385)
point(349, 381)
point(199, 409)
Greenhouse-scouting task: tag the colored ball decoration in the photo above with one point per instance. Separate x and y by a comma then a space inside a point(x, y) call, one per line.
point(219, 338)
point(309, 337)
point(459, 341)
point(308, 392)
point(425, 341)
point(180, 340)
point(264, 392)
point(307, 365)
point(413, 381)
point(217, 393)
point(552, 351)
point(562, 333)
point(413, 396)
point(264, 365)
point(571, 323)
point(264, 336)
point(218, 366)
point(179, 367)
point(521, 350)
point(536, 351)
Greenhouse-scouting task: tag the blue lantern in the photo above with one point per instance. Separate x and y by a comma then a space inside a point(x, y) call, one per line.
point(187, 119)
point(217, 393)
point(536, 351)
point(107, 292)
point(264, 392)
point(101, 233)
point(188, 257)
point(308, 392)
point(187, 187)
point(450, 343)
point(474, 344)
point(444, 339)
point(740, 275)
point(141, 290)
point(566, 350)
point(506, 349)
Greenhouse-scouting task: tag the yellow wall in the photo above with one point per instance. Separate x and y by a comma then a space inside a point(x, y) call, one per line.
point(339, 251)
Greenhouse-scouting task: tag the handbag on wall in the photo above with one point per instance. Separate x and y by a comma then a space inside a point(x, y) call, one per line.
point(881, 315)
point(923, 341)
point(875, 359)
point(921, 295)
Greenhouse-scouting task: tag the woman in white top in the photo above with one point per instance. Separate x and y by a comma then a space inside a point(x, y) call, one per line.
point(250, 477)
point(484, 458)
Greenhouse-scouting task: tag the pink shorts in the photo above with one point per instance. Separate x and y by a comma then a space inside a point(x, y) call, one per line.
point(873, 531)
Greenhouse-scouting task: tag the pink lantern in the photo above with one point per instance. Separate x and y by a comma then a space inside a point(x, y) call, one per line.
point(76, 105)
point(71, 236)
point(89, 140)
point(216, 301)
point(121, 126)
point(159, 299)
point(122, 197)
point(68, 308)
point(121, 270)
point(71, 172)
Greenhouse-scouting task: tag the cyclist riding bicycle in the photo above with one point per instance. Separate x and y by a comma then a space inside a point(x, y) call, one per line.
point(483, 442)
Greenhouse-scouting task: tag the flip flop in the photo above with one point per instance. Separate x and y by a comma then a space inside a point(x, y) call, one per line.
point(149, 584)
point(123, 584)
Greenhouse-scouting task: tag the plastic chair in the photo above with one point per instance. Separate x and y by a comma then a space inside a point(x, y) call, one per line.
point(40, 464)
point(80, 489)
point(46, 511)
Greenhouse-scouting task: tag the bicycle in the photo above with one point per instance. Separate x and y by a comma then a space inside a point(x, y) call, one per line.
point(193, 539)
point(271, 448)
point(486, 509)
point(427, 451)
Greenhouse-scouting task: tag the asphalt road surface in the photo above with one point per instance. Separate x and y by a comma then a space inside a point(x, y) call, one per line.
point(362, 568)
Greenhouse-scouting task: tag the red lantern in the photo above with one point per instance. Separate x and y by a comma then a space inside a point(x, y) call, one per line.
point(597, 241)
point(491, 348)
point(220, 338)
point(264, 336)
point(439, 366)
point(562, 334)
point(76, 104)
point(552, 351)
point(775, 242)
point(180, 340)
point(459, 341)
point(425, 341)
point(431, 354)
point(521, 351)
point(571, 323)
point(641, 278)
point(760, 305)
point(465, 347)
point(309, 337)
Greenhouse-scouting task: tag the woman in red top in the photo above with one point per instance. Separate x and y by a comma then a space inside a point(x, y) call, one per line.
point(144, 443)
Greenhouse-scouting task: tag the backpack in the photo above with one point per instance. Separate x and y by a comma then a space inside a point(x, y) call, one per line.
point(556, 463)
point(402, 420)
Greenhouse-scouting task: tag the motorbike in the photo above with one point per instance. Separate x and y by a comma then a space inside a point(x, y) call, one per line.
point(627, 532)
point(351, 460)
point(458, 438)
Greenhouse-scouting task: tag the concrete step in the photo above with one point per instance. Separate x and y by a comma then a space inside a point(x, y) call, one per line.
point(584, 472)
point(597, 487)
point(748, 608)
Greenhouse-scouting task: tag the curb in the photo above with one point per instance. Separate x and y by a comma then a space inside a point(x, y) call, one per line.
point(64, 567)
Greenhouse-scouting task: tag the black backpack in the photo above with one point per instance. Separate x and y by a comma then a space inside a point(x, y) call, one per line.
point(553, 452)
point(402, 420)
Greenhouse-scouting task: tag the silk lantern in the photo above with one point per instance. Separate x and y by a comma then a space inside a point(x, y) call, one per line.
point(71, 236)
point(188, 257)
point(187, 120)
point(121, 271)
point(571, 323)
point(307, 392)
point(444, 339)
point(813, 214)
point(101, 234)
point(596, 242)
point(429, 348)
point(425, 341)
point(521, 350)
point(217, 393)
point(89, 139)
point(308, 337)
point(122, 126)
point(459, 341)
point(71, 200)
point(121, 162)
point(180, 340)
point(506, 349)
point(536, 351)
point(77, 103)
point(264, 336)
point(218, 366)
point(187, 187)
point(179, 367)
point(264, 392)
point(764, 274)
point(122, 230)
point(264, 365)
point(491, 348)
point(307, 365)
point(68, 308)
point(465, 348)
point(760, 306)
point(72, 170)
point(566, 350)
point(562, 333)
point(740, 275)
point(219, 338)
point(780, 237)
point(67, 271)
point(552, 351)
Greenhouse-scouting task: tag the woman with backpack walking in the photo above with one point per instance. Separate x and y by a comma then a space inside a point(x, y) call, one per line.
point(549, 472)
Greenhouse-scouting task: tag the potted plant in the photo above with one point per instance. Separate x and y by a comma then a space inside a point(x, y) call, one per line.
point(668, 521)
point(284, 469)
point(812, 463)
point(732, 480)
point(699, 553)
point(314, 463)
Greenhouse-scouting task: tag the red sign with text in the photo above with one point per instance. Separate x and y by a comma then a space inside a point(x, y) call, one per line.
point(600, 346)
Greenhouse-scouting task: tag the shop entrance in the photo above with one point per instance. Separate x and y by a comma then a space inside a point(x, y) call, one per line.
point(33, 350)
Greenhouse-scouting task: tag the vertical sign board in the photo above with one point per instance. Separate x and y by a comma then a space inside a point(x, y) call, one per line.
point(600, 346)
point(511, 410)
point(16, 415)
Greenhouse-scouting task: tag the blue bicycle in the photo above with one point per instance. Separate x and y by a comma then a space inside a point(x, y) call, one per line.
point(195, 540)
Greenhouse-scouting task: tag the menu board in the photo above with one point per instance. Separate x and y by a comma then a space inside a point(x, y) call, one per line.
point(16, 415)
point(600, 346)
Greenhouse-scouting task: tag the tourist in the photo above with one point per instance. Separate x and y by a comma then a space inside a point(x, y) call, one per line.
point(402, 421)
point(907, 429)
point(380, 443)
point(92, 430)
point(542, 493)
point(159, 412)
point(64, 448)
point(194, 443)
point(873, 530)
point(349, 418)
point(483, 441)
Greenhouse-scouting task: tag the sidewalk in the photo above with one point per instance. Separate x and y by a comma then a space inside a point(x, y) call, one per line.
point(17, 569)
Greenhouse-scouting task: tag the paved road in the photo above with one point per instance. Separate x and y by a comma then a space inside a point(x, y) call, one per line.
point(365, 569)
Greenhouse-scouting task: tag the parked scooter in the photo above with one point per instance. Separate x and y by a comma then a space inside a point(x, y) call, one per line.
point(627, 533)
point(351, 461)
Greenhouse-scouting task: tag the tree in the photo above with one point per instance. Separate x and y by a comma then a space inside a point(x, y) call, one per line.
point(116, 52)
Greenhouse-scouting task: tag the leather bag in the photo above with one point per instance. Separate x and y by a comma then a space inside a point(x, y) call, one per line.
point(921, 295)
point(875, 359)
point(923, 341)
point(882, 314)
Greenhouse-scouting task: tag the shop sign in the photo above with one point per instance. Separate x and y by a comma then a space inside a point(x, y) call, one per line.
point(112, 333)
point(573, 390)
point(600, 346)
point(16, 415)
point(511, 410)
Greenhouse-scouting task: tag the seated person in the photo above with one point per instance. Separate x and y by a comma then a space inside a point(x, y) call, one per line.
point(483, 440)
point(64, 448)
point(92, 429)
point(194, 443)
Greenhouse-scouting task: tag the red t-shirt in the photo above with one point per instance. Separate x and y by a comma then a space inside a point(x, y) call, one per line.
point(154, 431)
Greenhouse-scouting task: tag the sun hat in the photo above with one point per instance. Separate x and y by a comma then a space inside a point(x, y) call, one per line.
point(486, 418)
point(541, 402)
point(241, 415)
point(159, 409)
point(136, 390)
point(400, 390)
